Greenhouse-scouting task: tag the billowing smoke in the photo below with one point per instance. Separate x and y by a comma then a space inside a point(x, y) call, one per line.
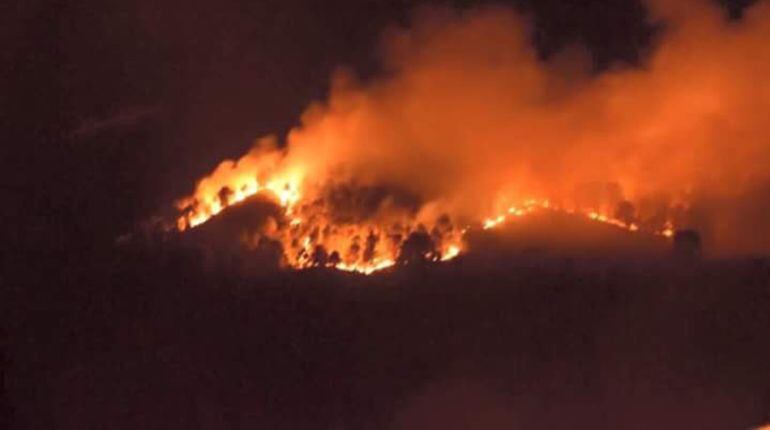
point(466, 119)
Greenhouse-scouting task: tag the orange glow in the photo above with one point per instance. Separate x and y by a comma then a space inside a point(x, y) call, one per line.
point(208, 203)
point(366, 269)
point(532, 205)
point(471, 129)
point(307, 230)
point(310, 239)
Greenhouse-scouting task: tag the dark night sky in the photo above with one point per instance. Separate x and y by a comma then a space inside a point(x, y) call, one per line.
point(114, 109)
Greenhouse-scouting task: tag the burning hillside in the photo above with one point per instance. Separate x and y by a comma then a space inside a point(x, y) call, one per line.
point(468, 128)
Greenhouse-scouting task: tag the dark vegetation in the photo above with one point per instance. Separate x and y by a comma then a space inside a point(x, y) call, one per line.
point(149, 336)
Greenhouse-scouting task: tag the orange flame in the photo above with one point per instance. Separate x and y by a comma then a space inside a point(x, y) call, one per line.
point(341, 246)
point(468, 113)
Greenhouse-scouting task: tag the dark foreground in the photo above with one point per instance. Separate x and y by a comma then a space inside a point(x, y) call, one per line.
point(149, 339)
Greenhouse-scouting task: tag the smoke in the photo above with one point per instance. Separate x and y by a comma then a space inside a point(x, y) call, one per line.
point(467, 118)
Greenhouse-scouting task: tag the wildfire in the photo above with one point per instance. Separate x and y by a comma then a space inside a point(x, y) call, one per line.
point(311, 231)
point(529, 206)
point(470, 129)
point(312, 235)
point(532, 205)
point(206, 205)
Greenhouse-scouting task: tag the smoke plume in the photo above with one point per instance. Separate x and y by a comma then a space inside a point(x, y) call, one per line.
point(467, 119)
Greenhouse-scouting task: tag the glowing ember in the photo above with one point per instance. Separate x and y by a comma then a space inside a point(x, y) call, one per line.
point(532, 205)
point(451, 252)
point(368, 268)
